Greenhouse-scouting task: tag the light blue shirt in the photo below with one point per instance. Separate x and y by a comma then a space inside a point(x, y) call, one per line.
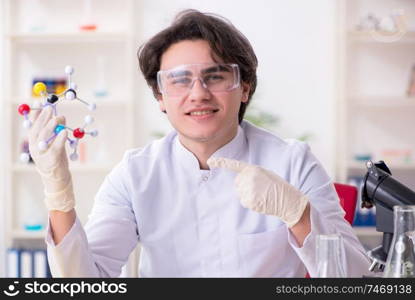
point(190, 222)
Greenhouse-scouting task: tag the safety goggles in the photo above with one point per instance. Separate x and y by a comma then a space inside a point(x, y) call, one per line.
point(213, 77)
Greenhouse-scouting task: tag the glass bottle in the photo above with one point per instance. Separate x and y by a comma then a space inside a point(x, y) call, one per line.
point(330, 256)
point(401, 256)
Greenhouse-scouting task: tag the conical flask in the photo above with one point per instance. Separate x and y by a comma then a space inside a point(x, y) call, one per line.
point(401, 256)
point(330, 256)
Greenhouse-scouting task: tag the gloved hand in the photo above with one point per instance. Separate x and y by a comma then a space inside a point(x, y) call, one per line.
point(264, 191)
point(52, 163)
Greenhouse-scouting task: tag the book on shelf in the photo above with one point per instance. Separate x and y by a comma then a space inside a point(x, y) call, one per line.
point(27, 263)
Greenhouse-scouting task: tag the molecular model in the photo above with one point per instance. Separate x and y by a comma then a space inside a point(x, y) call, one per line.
point(52, 100)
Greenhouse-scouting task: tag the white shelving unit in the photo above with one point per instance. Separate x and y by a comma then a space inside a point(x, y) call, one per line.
point(367, 37)
point(375, 116)
point(31, 52)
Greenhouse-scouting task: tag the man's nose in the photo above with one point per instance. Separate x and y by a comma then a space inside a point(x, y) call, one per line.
point(198, 91)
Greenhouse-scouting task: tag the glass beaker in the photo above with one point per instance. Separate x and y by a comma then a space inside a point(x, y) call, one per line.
point(401, 256)
point(330, 256)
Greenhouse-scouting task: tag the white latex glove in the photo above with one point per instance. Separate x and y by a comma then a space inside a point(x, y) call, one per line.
point(52, 163)
point(264, 191)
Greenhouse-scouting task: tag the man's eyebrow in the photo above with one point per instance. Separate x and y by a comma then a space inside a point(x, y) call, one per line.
point(216, 69)
point(178, 73)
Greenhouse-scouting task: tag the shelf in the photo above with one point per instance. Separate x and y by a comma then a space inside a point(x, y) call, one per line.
point(394, 166)
point(86, 168)
point(370, 37)
point(100, 102)
point(383, 102)
point(366, 231)
point(24, 234)
point(69, 37)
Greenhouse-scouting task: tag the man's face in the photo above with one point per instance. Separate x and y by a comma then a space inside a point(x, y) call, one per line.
point(200, 115)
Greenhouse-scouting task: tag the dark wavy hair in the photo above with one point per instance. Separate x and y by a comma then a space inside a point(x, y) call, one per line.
point(226, 42)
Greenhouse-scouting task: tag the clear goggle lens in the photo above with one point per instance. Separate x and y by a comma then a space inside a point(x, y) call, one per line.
point(214, 77)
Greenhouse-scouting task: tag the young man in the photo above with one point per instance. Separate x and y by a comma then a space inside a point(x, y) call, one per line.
point(216, 197)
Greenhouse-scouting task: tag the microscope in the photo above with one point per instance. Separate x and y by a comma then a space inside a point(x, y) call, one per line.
point(380, 189)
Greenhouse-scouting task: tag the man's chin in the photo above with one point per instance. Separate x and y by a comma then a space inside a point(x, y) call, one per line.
point(202, 138)
point(199, 137)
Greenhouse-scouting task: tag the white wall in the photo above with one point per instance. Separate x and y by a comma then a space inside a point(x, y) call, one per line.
point(295, 44)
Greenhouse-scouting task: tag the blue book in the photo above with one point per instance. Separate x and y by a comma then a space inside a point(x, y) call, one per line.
point(13, 263)
point(26, 263)
point(40, 264)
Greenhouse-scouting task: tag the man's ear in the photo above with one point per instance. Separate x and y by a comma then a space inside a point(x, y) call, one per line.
point(161, 103)
point(246, 88)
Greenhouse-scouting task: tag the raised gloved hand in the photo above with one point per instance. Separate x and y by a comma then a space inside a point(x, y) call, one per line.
point(264, 191)
point(52, 163)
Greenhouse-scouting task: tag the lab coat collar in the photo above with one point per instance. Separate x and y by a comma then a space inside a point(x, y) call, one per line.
point(234, 149)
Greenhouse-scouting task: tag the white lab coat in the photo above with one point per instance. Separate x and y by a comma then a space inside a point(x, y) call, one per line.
point(190, 222)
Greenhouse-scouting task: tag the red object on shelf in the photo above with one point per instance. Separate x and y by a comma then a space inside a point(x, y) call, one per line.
point(348, 198)
point(88, 27)
point(24, 109)
point(78, 133)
